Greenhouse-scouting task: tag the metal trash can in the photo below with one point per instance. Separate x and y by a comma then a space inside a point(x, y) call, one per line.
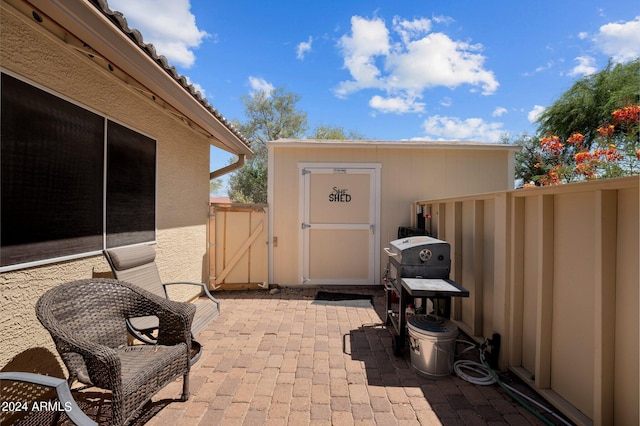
point(432, 345)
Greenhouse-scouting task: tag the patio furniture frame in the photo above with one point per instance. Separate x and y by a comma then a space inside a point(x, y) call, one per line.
point(86, 320)
point(62, 391)
point(136, 264)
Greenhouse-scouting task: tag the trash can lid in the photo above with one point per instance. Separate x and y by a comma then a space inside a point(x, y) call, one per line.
point(430, 325)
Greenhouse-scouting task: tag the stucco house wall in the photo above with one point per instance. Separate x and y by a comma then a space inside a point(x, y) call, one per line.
point(409, 171)
point(33, 53)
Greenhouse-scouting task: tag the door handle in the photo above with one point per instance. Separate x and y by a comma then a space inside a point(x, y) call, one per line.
point(389, 252)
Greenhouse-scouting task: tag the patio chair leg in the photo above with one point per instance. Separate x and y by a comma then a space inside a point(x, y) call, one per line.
point(185, 387)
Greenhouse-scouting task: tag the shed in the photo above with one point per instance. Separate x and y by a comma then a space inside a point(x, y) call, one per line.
point(335, 205)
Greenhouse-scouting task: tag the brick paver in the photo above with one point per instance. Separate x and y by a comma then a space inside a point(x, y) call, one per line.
point(284, 359)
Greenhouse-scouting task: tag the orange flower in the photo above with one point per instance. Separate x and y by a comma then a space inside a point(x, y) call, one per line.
point(586, 170)
point(551, 144)
point(552, 177)
point(610, 154)
point(629, 114)
point(606, 131)
point(638, 154)
point(576, 138)
point(582, 157)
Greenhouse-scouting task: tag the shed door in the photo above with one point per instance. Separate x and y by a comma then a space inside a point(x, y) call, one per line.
point(339, 225)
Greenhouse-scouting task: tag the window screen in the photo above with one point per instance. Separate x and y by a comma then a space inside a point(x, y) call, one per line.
point(52, 179)
point(51, 175)
point(131, 186)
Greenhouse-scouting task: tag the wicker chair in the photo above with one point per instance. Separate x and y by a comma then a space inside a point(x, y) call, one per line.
point(86, 320)
point(136, 264)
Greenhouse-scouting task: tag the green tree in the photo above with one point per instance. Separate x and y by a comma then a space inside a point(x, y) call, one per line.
point(249, 184)
point(215, 185)
point(527, 159)
point(335, 133)
point(589, 103)
point(585, 108)
point(270, 116)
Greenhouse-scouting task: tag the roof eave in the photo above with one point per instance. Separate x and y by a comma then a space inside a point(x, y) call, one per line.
point(90, 25)
point(386, 144)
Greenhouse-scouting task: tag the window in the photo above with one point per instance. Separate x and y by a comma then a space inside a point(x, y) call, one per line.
point(131, 186)
point(54, 201)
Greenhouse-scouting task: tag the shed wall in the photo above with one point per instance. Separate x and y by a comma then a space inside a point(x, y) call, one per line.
point(182, 181)
point(407, 174)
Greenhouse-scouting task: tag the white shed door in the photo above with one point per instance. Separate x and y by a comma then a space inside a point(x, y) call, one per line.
point(339, 227)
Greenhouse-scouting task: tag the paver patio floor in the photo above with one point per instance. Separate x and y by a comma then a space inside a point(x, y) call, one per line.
point(286, 359)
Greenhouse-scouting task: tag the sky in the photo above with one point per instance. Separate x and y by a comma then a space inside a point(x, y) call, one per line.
point(389, 69)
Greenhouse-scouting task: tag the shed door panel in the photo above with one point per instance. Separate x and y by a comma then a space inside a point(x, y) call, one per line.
point(339, 254)
point(338, 228)
point(339, 198)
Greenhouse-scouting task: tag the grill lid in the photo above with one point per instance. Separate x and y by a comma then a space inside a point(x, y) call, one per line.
point(420, 250)
point(402, 244)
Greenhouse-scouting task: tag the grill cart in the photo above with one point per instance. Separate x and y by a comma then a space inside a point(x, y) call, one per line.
point(418, 269)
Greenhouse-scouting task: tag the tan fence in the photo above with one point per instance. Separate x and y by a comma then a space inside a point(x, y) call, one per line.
point(555, 271)
point(238, 238)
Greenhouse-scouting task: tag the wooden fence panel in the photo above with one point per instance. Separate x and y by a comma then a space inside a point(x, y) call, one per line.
point(238, 256)
point(555, 272)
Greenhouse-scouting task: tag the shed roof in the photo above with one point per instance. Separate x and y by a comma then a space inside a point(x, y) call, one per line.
point(107, 33)
point(421, 144)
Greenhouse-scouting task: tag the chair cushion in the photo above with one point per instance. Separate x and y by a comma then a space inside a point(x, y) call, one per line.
point(144, 365)
point(129, 257)
point(206, 311)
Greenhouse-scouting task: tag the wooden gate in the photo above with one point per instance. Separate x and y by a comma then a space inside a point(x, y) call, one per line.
point(238, 255)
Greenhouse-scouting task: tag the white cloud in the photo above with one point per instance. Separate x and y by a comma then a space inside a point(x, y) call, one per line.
point(533, 115)
point(471, 129)
point(259, 84)
point(582, 35)
point(499, 111)
point(395, 104)
point(197, 87)
point(446, 102)
point(541, 68)
point(436, 60)
point(441, 19)
point(410, 30)
point(586, 66)
point(406, 65)
point(303, 47)
point(167, 24)
point(545, 67)
point(620, 40)
point(368, 40)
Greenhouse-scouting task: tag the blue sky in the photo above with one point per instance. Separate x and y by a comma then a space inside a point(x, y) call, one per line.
point(389, 69)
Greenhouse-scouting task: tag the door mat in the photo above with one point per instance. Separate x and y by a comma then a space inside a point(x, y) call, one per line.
point(344, 299)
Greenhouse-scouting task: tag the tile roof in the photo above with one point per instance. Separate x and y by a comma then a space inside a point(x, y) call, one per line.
point(121, 22)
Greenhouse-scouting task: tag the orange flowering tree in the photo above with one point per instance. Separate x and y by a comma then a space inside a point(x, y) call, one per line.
point(615, 152)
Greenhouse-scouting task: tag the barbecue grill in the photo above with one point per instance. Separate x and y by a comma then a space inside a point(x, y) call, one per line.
point(419, 257)
point(418, 267)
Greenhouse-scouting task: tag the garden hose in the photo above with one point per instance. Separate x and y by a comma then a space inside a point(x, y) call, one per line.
point(482, 374)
